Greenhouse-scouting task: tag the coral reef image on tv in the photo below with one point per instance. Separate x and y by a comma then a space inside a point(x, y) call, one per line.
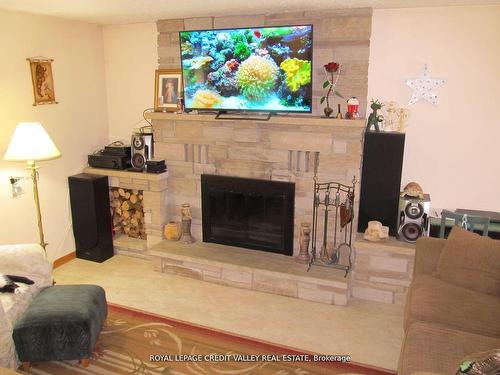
point(253, 69)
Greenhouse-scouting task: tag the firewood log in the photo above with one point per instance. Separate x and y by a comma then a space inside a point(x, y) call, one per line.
point(125, 206)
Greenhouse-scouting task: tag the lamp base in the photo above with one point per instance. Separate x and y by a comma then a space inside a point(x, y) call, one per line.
point(34, 177)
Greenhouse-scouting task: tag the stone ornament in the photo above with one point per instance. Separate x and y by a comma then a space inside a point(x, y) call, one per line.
point(304, 239)
point(376, 231)
point(186, 220)
point(413, 189)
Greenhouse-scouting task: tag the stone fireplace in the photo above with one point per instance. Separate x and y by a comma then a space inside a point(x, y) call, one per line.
point(287, 150)
point(283, 149)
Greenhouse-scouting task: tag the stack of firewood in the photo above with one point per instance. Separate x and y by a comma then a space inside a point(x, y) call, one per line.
point(127, 212)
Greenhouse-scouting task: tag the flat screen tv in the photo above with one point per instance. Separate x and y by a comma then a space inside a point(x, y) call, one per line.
point(248, 69)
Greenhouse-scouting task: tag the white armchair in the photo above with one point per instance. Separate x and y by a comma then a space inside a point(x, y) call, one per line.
point(27, 260)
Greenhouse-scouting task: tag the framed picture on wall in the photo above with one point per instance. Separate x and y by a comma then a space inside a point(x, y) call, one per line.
point(168, 88)
point(43, 81)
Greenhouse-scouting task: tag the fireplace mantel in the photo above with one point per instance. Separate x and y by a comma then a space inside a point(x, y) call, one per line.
point(280, 120)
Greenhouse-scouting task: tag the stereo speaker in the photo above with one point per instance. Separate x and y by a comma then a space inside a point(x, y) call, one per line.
point(413, 219)
point(381, 179)
point(142, 149)
point(90, 211)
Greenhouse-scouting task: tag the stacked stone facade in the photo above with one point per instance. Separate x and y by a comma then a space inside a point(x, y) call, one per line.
point(383, 270)
point(284, 148)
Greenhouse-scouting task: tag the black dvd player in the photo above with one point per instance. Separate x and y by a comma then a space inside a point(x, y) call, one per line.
point(103, 160)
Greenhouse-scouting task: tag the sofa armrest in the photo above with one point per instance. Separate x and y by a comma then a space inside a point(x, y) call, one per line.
point(427, 253)
point(26, 260)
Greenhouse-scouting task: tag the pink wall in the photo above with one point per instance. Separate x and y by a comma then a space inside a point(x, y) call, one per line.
point(77, 124)
point(452, 149)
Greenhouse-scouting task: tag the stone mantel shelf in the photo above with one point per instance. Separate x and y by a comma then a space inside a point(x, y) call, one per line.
point(274, 120)
point(126, 174)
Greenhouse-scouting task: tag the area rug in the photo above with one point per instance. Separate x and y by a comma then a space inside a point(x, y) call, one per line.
point(136, 342)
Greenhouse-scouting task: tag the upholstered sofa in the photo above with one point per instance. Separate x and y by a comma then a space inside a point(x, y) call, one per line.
point(453, 304)
point(27, 260)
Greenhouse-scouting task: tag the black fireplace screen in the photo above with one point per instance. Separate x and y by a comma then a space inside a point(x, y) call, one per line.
point(250, 213)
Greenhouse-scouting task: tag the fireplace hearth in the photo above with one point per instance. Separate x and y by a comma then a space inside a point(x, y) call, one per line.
point(250, 213)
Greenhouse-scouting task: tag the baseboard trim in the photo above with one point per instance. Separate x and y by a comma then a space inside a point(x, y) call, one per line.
point(63, 260)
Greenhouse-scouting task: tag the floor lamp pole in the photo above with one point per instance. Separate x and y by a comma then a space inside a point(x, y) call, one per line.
point(34, 176)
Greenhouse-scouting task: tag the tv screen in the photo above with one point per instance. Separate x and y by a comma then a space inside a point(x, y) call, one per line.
point(251, 69)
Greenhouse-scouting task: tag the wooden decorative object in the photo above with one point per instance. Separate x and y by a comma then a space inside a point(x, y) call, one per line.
point(186, 220)
point(304, 239)
point(43, 81)
point(127, 212)
point(168, 89)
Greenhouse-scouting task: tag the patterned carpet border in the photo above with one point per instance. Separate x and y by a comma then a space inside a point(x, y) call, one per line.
point(252, 342)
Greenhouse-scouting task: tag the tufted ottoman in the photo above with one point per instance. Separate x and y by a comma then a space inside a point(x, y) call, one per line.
point(63, 322)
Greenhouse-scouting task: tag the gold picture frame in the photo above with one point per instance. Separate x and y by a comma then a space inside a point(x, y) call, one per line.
point(168, 88)
point(42, 80)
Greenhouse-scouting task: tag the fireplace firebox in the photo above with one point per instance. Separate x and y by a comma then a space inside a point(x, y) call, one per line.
point(250, 213)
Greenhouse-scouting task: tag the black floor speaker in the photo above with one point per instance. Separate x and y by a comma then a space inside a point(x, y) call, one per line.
point(90, 210)
point(381, 179)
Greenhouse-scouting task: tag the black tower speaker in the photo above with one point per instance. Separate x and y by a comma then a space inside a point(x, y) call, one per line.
point(89, 196)
point(381, 179)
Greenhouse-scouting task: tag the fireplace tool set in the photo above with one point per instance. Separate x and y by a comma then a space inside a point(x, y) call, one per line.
point(336, 201)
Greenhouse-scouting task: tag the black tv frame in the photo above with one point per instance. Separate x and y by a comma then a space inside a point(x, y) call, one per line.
point(226, 110)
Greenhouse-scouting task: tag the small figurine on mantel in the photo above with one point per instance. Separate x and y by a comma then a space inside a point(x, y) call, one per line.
point(374, 118)
point(395, 117)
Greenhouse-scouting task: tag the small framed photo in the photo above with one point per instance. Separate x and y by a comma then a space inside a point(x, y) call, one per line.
point(168, 88)
point(43, 81)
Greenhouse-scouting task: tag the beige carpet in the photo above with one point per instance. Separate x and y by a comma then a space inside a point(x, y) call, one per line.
point(135, 342)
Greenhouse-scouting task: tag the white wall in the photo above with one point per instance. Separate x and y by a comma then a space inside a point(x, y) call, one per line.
point(131, 57)
point(77, 124)
point(452, 149)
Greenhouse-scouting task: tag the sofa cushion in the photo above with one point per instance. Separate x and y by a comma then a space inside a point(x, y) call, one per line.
point(434, 348)
point(470, 261)
point(27, 260)
point(433, 300)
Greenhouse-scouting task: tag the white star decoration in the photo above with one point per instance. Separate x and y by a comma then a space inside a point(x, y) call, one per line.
point(423, 87)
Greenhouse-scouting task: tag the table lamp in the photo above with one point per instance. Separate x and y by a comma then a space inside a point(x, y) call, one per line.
point(31, 143)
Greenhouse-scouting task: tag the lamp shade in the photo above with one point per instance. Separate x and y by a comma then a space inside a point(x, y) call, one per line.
point(31, 142)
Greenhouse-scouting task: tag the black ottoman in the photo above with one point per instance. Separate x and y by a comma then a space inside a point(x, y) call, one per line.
point(62, 323)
